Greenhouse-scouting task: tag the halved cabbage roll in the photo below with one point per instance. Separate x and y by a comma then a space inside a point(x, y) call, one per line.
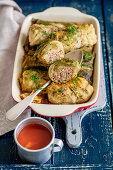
point(63, 70)
point(50, 52)
point(47, 54)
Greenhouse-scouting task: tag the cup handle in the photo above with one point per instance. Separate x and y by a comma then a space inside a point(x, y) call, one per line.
point(59, 146)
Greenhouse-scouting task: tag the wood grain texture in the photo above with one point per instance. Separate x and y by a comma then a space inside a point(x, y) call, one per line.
point(32, 6)
point(108, 22)
point(96, 150)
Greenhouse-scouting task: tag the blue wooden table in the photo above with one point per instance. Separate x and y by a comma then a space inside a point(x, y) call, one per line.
point(96, 150)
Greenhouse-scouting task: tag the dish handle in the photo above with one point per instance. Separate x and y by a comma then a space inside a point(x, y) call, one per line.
point(63, 10)
point(73, 129)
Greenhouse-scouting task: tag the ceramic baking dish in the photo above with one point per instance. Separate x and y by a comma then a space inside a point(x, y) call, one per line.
point(65, 14)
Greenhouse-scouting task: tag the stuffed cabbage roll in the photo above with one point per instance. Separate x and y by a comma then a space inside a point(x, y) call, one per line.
point(38, 33)
point(50, 52)
point(82, 89)
point(33, 79)
point(77, 36)
point(60, 94)
point(63, 70)
point(87, 65)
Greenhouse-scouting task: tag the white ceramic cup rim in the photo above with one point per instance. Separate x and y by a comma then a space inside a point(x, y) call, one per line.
point(36, 150)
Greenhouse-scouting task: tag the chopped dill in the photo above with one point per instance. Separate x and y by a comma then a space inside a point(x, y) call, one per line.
point(83, 64)
point(27, 72)
point(72, 30)
point(74, 87)
point(32, 87)
point(44, 32)
point(82, 27)
point(56, 22)
point(68, 24)
point(44, 23)
point(38, 47)
point(90, 66)
point(79, 74)
point(33, 31)
point(83, 89)
point(54, 92)
point(36, 69)
point(26, 78)
point(86, 91)
point(61, 90)
point(35, 79)
point(30, 54)
point(40, 88)
point(86, 56)
point(52, 34)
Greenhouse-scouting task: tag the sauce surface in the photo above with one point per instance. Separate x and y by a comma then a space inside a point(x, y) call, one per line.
point(34, 136)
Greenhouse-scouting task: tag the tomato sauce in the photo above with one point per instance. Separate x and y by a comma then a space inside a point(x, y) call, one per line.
point(34, 136)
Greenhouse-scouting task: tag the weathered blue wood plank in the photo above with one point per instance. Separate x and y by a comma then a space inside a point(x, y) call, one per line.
point(108, 14)
point(97, 126)
point(32, 6)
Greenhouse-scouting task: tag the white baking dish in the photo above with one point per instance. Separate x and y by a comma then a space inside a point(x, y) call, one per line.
point(65, 14)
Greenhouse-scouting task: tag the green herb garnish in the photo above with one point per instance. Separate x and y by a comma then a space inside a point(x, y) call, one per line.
point(33, 31)
point(72, 30)
point(43, 42)
point(32, 87)
point(40, 88)
point(79, 74)
point(38, 47)
point(44, 32)
point(86, 56)
point(30, 54)
point(27, 72)
point(44, 23)
point(68, 24)
point(52, 34)
point(74, 87)
point(83, 64)
point(86, 91)
point(90, 66)
point(35, 79)
point(56, 22)
point(83, 89)
point(36, 69)
point(61, 90)
point(54, 92)
point(82, 27)
point(26, 78)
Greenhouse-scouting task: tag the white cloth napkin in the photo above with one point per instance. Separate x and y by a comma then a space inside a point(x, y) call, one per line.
point(11, 18)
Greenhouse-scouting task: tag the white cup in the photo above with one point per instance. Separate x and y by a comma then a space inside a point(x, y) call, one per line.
point(39, 156)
